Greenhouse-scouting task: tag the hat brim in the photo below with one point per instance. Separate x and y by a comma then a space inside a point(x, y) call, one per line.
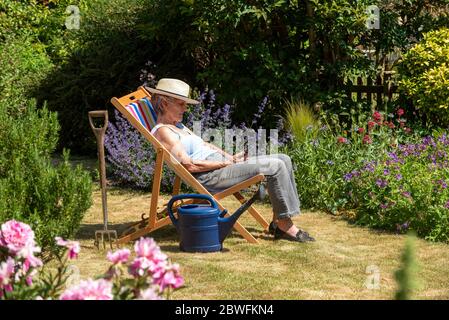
point(173, 95)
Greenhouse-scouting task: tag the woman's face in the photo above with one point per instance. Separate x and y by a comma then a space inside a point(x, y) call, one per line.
point(174, 108)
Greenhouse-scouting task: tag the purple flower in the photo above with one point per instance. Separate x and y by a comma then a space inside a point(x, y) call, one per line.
point(398, 176)
point(402, 227)
point(381, 183)
point(447, 205)
point(406, 194)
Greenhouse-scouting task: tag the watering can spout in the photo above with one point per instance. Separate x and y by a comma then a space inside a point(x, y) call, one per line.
point(226, 223)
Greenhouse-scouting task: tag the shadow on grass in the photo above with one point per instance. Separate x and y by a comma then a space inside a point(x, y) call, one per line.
point(87, 231)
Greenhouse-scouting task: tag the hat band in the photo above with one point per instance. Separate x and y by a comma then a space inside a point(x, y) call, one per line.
point(176, 94)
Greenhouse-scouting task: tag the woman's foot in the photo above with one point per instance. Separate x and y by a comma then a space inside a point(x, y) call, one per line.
point(285, 229)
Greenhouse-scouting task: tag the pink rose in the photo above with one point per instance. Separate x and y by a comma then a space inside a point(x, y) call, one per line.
point(72, 246)
point(6, 271)
point(170, 277)
point(119, 256)
point(146, 247)
point(17, 236)
point(149, 294)
point(89, 290)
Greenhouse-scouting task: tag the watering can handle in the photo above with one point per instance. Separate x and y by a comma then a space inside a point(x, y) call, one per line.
point(188, 196)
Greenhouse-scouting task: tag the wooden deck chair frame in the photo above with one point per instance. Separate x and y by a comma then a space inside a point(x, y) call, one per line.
point(153, 222)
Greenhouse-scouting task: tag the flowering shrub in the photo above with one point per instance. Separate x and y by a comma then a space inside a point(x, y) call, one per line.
point(406, 189)
point(131, 158)
point(149, 276)
point(326, 158)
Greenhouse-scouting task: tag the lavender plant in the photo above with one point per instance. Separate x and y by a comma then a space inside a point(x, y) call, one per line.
point(131, 157)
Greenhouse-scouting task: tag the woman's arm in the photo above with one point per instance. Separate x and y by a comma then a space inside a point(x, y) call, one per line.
point(224, 153)
point(167, 138)
point(237, 158)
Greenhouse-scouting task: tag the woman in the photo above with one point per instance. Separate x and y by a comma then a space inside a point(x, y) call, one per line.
point(217, 170)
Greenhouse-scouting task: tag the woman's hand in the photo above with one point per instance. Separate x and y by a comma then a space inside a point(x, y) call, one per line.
point(239, 157)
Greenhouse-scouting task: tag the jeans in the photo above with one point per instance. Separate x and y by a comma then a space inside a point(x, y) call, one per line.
point(278, 171)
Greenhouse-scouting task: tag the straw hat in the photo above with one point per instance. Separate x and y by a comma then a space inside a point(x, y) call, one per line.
point(173, 88)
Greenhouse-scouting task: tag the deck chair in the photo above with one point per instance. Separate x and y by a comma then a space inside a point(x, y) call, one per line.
point(137, 109)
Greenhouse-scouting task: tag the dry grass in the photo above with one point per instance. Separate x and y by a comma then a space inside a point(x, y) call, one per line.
point(334, 267)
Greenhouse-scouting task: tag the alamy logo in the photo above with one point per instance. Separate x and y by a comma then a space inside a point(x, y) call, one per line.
point(73, 21)
point(372, 281)
point(373, 21)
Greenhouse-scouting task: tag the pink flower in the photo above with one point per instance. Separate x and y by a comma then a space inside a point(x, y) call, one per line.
point(342, 140)
point(17, 236)
point(400, 112)
point(141, 265)
point(149, 294)
point(371, 125)
point(169, 277)
point(367, 139)
point(72, 246)
point(146, 247)
point(361, 130)
point(89, 290)
point(6, 271)
point(119, 256)
point(377, 116)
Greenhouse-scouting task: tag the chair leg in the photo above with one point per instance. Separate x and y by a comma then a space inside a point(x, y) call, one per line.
point(256, 214)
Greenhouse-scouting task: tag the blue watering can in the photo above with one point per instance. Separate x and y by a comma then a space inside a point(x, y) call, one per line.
point(202, 227)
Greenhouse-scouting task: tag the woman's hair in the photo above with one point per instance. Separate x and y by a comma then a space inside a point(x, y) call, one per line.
point(156, 101)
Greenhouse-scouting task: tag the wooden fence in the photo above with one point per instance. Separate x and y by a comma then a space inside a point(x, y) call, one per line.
point(376, 91)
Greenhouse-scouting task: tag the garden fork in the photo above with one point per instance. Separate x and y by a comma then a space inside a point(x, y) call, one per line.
point(99, 134)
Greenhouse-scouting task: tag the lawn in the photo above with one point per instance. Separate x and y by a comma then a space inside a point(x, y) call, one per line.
point(334, 267)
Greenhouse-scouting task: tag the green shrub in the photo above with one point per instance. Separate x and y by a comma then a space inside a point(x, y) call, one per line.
point(424, 74)
point(52, 199)
point(104, 60)
point(43, 23)
point(24, 64)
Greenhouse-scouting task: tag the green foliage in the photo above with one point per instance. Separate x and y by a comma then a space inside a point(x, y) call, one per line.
point(105, 61)
point(24, 64)
point(33, 19)
point(424, 74)
point(246, 50)
point(52, 199)
point(323, 161)
point(407, 189)
point(402, 24)
point(405, 275)
point(301, 120)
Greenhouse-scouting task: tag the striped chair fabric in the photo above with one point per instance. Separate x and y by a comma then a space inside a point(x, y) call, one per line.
point(144, 112)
